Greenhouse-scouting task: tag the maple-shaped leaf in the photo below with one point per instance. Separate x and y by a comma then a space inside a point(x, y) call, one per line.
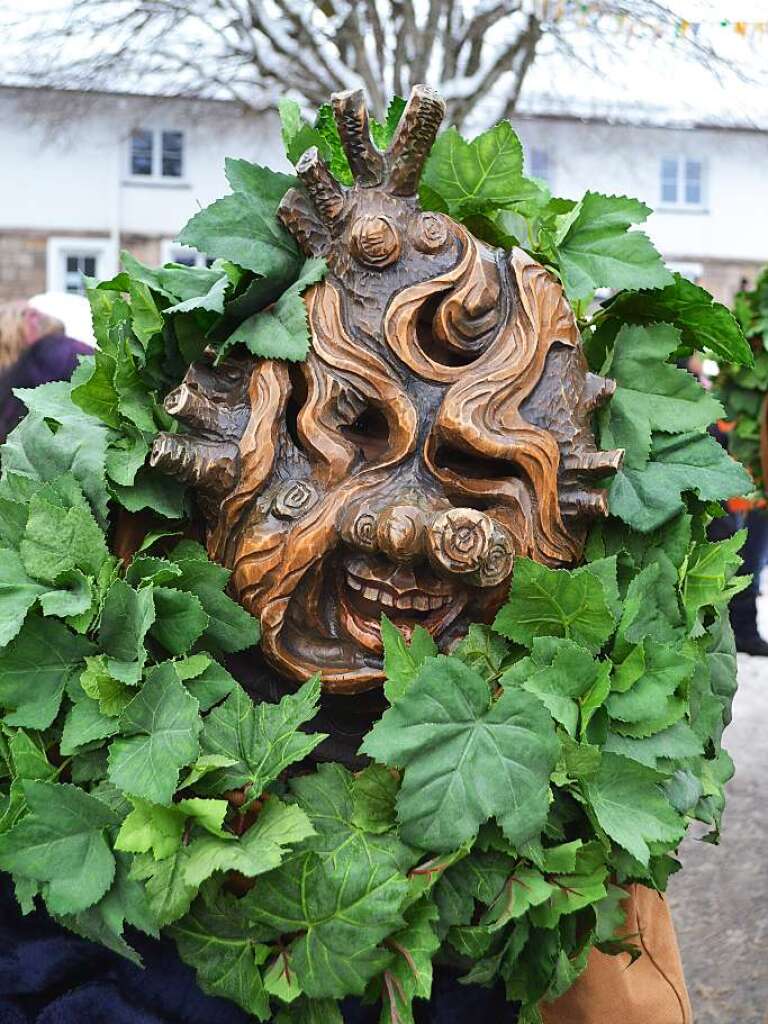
point(596, 249)
point(62, 842)
point(402, 660)
point(168, 892)
point(341, 907)
point(629, 804)
point(555, 602)
point(651, 394)
point(261, 739)
point(466, 757)
point(160, 736)
point(225, 948)
point(260, 849)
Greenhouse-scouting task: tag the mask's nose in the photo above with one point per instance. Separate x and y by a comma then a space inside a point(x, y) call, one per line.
point(457, 541)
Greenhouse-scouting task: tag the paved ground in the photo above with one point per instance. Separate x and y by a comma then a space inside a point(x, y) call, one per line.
point(720, 900)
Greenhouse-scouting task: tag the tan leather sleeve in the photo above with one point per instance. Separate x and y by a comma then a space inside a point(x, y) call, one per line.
point(650, 991)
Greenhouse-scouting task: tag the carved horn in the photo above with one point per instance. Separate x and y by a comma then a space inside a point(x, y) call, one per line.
point(351, 114)
point(324, 191)
point(413, 140)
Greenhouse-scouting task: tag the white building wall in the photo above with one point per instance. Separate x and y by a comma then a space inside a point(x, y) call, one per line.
point(623, 159)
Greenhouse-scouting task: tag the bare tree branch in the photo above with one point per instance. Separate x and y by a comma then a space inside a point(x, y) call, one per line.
point(254, 50)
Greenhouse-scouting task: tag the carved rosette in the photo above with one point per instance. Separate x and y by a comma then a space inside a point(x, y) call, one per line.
point(440, 427)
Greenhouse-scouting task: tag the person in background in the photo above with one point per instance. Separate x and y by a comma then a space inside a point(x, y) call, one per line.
point(34, 349)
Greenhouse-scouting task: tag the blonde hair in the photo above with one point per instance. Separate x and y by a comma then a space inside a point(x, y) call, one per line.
point(21, 325)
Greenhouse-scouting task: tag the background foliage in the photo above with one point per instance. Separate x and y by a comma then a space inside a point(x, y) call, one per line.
point(514, 785)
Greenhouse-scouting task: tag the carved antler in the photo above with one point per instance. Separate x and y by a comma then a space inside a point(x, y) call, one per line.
point(318, 215)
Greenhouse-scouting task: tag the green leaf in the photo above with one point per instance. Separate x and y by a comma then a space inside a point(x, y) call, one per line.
point(162, 724)
point(78, 447)
point(169, 895)
point(262, 739)
point(415, 947)
point(628, 802)
point(61, 842)
point(679, 741)
point(598, 251)
point(160, 829)
point(97, 683)
point(706, 325)
point(480, 176)
point(401, 660)
point(217, 939)
point(153, 490)
point(211, 300)
point(483, 650)
point(651, 395)
point(85, 724)
point(146, 318)
point(18, 594)
point(34, 669)
point(244, 228)
point(180, 619)
point(97, 395)
point(260, 849)
point(230, 627)
point(555, 602)
point(558, 672)
point(280, 981)
point(710, 580)
point(649, 497)
point(59, 539)
point(466, 757)
point(374, 792)
point(281, 331)
point(125, 619)
point(342, 907)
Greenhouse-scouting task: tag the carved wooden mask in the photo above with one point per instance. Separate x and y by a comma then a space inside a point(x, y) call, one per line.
point(440, 427)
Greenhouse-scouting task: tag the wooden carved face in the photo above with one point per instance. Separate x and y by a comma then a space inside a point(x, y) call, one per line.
point(440, 427)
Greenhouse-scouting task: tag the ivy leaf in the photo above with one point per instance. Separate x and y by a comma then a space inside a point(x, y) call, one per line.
point(401, 660)
point(710, 580)
point(649, 497)
point(596, 249)
point(415, 947)
point(480, 176)
point(628, 802)
point(212, 300)
point(61, 842)
point(180, 619)
point(18, 594)
point(641, 691)
point(34, 669)
point(678, 742)
point(162, 726)
point(58, 539)
point(125, 619)
point(261, 739)
point(466, 758)
point(243, 227)
point(343, 907)
point(259, 849)
point(555, 602)
point(483, 650)
point(217, 939)
point(651, 395)
point(97, 683)
point(281, 331)
point(706, 325)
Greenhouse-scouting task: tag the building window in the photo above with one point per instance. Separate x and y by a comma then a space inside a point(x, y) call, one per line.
point(156, 154)
point(540, 165)
point(172, 252)
point(70, 259)
point(682, 182)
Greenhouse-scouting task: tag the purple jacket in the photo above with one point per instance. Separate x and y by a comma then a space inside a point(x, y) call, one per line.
point(51, 358)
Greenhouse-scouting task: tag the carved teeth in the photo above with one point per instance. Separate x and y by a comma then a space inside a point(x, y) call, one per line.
point(404, 602)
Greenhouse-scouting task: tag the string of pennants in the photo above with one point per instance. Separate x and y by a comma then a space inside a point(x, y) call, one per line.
point(583, 13)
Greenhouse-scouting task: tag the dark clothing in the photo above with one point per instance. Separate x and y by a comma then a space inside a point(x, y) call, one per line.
point(50, 976)
point(755, 555)
point(51, 358)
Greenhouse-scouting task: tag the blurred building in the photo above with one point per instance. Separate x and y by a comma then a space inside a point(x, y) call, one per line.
point(81, 179)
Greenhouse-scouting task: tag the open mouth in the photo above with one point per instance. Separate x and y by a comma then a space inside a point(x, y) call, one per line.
point(372, 586)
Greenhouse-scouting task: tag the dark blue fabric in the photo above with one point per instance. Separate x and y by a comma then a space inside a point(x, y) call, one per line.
point(755, 556)
point(50, 976)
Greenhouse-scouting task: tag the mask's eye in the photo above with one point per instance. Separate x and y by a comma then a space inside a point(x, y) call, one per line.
point(474, 467)
point(370, 432)
point(429, 232)
point(375, 241)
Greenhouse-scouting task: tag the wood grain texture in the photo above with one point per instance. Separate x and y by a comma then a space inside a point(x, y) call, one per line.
point(440, 427)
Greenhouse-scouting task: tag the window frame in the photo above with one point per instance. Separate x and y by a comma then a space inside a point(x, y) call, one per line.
point(680, 203)
point(156, 177)
point(59, 247)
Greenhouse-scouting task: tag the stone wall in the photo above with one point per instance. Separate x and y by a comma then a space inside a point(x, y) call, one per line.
point(22, 264)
